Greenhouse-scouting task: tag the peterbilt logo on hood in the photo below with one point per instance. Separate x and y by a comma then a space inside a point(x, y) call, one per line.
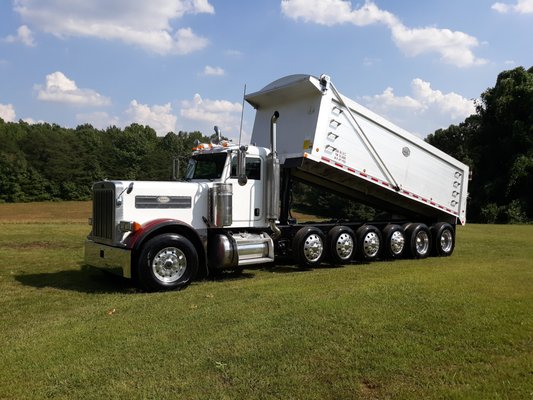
point(163, 202)
point(163, 199)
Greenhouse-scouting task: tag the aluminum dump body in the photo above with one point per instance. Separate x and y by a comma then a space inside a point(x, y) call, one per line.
point(334, 142)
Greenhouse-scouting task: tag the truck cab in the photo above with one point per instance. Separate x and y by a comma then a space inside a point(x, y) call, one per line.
point(217, 214)
point(219, 164)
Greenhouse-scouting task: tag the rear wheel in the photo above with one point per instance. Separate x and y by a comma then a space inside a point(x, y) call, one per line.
point(444, 239)
point(308, 246)
point(368, 242)
point(341, 244)
point(418, 240)
point(394, 241)
point(167, 262)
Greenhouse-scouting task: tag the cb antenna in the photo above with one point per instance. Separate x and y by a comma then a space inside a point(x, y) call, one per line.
point(242, 115)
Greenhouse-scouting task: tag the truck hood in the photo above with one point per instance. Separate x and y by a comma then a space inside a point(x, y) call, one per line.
point(183, 201)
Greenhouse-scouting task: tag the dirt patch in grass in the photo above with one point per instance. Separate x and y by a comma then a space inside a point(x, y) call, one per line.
point(62, 212)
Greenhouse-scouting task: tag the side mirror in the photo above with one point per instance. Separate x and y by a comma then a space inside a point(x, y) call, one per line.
point(130, 188)
point(241, 166)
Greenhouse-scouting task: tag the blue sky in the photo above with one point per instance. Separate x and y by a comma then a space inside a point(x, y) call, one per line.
point(182, 64)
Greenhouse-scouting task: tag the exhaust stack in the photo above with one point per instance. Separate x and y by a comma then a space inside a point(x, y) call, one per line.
point(273, 180)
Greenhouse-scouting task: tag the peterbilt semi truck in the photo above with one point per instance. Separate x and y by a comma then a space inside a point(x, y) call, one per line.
point(232, 208)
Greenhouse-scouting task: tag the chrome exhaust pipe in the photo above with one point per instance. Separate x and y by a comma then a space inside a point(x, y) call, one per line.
point(273, 134)
point(273, 179)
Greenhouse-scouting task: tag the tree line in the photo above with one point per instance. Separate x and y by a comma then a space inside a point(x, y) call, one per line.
point(43, 161)
point(497, 144)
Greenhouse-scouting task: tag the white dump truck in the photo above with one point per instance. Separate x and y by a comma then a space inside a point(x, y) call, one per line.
point(232, 209)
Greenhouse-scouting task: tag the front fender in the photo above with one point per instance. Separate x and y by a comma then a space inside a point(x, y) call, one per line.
point(150, 229)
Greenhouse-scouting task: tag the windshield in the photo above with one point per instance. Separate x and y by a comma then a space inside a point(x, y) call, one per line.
point(206, 166)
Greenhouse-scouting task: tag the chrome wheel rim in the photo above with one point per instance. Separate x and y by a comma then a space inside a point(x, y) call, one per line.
point(169, 264)
point(397, 242)
point(422, 242)
point(313, 247)
point(446, 241)
point(371, 244)
point(344, 246)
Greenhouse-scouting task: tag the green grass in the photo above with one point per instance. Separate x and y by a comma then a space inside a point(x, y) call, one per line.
point(458, 327)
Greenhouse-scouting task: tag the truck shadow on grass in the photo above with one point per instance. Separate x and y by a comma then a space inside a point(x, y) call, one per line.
point(286, 268)
point(84, 280)
point(91, 280)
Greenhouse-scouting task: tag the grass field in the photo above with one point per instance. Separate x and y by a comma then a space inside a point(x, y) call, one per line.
point(442, 328)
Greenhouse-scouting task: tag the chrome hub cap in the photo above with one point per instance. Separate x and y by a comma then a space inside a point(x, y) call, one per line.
point(371, 244)
point(446, 241)
point(169, 264)
point(397, 241)
point(422, 242)
point(344, 246)
point(313, 247)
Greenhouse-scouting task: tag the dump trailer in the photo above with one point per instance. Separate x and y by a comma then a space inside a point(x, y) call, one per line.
point(232, 209)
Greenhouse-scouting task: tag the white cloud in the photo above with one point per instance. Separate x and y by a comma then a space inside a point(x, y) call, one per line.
point(24, 35)
point(222, 113)
point(333, 12)
point(146, 24)
point(158, 117)
point(213, 71)
point(58, 88)
point(521, 7)
point(31, 121)
point(454, 47)
point(424, 111)
point(7, 112)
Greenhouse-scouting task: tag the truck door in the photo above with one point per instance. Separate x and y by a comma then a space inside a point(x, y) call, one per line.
point(248, 199)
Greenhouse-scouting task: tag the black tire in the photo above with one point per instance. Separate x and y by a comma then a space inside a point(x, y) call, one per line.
point(443, 239)
point(167, 262)
point(369, 243)
point(308, 247)
point(341, 244)
point(418, 240)
point(393, 241)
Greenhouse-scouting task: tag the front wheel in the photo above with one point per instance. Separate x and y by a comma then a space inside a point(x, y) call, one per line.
point(167, 262)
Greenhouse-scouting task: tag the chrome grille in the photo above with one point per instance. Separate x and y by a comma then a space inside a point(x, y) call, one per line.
point(103, 213)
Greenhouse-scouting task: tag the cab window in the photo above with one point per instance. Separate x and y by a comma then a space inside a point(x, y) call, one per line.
point(206, 166)
point(253, 168)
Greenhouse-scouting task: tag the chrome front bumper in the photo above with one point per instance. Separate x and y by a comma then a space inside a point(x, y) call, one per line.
point(112, 259)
